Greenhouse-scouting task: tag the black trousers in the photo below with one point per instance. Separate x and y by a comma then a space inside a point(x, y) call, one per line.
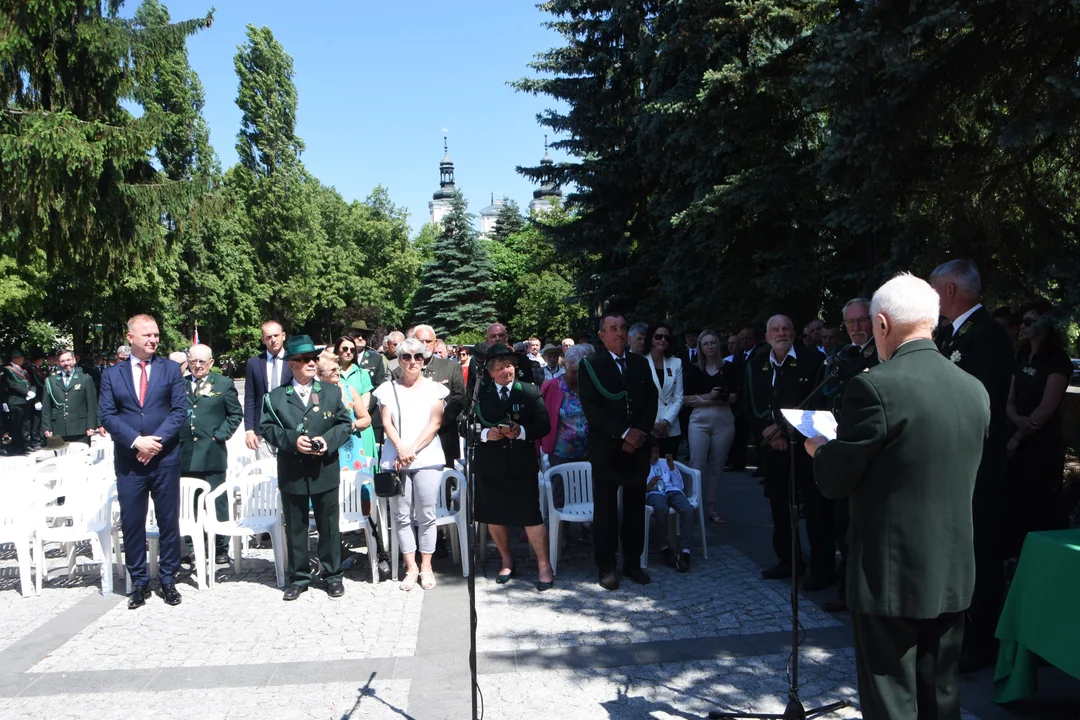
point(841, 521)
point(18, 429)
point(909, 668)
point(819, 511)
point(325, 507)
point(987, 599)
point(737, 454)
point(606, 530)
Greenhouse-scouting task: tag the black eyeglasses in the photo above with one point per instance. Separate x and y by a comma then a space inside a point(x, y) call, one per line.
point(306, 358)
point(344, 350)
point(662, 336)
point(409, 357)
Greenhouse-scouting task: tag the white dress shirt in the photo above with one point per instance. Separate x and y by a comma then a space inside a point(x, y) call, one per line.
point(958, 322)
point(303, 391)
point(136, 371)
point(772, 361)
point(273, 369)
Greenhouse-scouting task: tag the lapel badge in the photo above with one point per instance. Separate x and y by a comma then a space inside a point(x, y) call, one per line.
point(315, 409)
point(78, 386)
point(300, 427)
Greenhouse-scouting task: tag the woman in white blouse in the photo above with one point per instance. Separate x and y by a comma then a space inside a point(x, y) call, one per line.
point(668, 377)
point(412, 409)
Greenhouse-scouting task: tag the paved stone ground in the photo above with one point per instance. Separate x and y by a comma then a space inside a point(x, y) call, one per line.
point(716, 638)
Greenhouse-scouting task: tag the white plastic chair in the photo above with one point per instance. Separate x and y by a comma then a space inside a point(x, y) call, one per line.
point(21, 504)
point(89, 506)
point(454, 513)
point(61, 472)
point(351, 515)
point(259, 511)
point(577, 501)
point(693, 476)
point(188, 526)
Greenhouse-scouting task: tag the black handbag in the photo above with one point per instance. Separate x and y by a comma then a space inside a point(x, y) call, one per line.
point(388, 483)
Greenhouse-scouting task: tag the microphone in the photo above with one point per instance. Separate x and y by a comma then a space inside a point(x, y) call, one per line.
point(843, 356)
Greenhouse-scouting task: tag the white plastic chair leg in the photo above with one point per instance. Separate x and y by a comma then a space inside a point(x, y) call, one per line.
point(22, 554)
point(645, 551)
point(704, 542)
point(462, 542)
point(553, 543)
point(372, 553)
point(104, 540)
point(199, 551)
point(42, 565)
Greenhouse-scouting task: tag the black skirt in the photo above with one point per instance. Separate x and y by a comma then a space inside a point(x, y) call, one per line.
point(508, 499)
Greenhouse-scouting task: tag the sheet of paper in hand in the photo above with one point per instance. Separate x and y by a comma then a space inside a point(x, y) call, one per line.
point(811, 423)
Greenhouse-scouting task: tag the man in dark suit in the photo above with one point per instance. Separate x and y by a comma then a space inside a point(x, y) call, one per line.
point(214, 413)
point(619, 399)
point(71, 403)
point(980, 347)
point(263, 373)
point(906, 455)
point(376, 366)
point(19, 396)
point(848, 362)
point(307, 422)
point(783, 378)
point(448, 373)
point(143, 404)
point(496, 333)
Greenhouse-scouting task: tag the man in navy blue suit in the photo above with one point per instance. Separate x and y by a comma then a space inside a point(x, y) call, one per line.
point(143, 403)
point(264, 372)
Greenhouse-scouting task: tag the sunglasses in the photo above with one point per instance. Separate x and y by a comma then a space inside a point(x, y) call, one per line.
point(662, 336)
point(306, 359)
point(344, 350)
point(408, 357)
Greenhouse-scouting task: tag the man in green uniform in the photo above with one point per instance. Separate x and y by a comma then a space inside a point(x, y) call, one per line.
point(906, 455)
point(214, 413)
point(307, 423)
point(20, 396)
point(39, 374)
point(980, 347)
point(70, 405)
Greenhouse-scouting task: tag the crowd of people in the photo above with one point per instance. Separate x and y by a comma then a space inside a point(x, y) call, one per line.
point(631, 401)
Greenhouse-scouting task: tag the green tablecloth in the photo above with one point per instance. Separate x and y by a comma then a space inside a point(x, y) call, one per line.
point(1042, 614)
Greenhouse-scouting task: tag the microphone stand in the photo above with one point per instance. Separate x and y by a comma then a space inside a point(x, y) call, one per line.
point(470, 430)
point(794, 709)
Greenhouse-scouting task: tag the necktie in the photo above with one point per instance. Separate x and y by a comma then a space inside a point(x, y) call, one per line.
point(504, 393)
point(621, 362)
point(67, 379)
point(275, 378)
point(144, 380)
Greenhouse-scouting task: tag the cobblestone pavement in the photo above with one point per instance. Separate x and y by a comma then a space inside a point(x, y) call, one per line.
point(724, 595)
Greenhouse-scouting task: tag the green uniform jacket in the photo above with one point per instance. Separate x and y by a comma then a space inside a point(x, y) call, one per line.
point(511, 458)
point(907, 452)
point(214, 413)
point(831, 395)
point(16, 386)
point(285, 419)
point(72, 410)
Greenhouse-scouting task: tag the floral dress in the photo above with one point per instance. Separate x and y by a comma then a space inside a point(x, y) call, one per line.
point(572, 432)
point(359, 451)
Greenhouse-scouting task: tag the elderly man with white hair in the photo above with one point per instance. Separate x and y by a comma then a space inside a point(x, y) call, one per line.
point(214, 414)
point(906, 456)
point(980, 347)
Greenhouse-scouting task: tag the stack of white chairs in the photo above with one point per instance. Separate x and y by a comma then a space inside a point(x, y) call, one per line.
point(351, 513)
point(257, 511)
point(87, 511)
point(454, 513)
point(693, 478)
point(22, 503)
point(577, 502)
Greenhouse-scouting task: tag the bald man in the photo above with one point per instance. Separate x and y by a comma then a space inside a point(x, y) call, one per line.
point(214, 414)
point(783, 378)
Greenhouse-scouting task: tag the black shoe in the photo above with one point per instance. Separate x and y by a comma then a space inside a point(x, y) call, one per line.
point(780, 571)
point(670, 559)
point(541, 586)
point(683, 563)
point(293, 591)
point(188, 559)
point(384, 567)
point(170, 593)
point(817, 582)
point(335, 589)
point(609, 580)
point(138, 596)
point(502, 579)
point(637, 575)
point(222, 558)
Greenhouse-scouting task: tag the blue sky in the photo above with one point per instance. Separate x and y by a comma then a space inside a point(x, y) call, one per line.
point(377, 82)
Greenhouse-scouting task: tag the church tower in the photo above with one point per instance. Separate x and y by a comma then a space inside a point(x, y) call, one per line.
point(549, 190)
point(440, 201)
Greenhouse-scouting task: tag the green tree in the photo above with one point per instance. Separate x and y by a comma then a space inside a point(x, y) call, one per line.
point(508, 221)
point(457, 283)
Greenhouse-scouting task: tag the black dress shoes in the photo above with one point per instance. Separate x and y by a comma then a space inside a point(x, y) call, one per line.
point(609, 580)
point(293, 591)
point(683, 563)
point(541, 586)
point(780, 571)
point(138, 596)
point(221, 558)
point(335, 589)
point(504, 578)
point(170, 593)
point(817, 582)
point(637, 575)
point(670, 558)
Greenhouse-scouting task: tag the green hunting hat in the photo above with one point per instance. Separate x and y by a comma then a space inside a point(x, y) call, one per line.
point(359, 325)
point(499, 350)
point(299, 345)
point(17, 352)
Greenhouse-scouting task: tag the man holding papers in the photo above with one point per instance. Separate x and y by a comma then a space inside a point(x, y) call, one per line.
point(907, 451)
